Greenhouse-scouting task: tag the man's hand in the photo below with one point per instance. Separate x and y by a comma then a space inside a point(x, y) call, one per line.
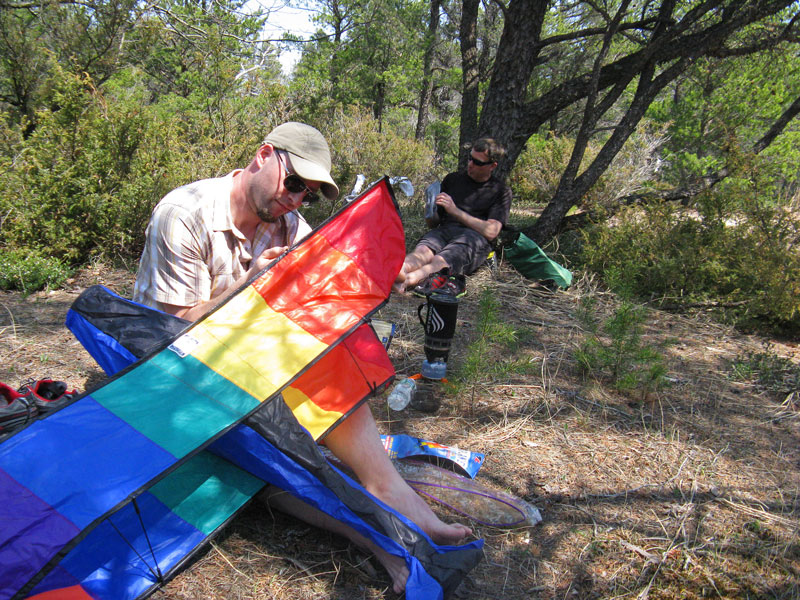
point(399, 285)
point(447, 203)
point(266, 257)
point(488, 229)
point(192, 313)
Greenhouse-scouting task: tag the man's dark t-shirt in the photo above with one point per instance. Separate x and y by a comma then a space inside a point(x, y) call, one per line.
point(487, 200)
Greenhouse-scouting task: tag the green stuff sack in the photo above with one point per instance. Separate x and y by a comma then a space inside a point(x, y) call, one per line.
point(530, 260)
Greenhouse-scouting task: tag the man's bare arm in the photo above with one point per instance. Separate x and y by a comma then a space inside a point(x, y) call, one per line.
point(489, 229)
point(192, 313)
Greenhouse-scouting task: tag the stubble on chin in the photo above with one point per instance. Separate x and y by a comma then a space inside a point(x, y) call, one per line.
point(266, 216)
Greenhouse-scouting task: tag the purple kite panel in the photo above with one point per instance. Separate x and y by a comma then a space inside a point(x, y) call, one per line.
point(25, 516)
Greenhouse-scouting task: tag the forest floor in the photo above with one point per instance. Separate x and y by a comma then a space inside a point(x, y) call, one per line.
point(689, 492)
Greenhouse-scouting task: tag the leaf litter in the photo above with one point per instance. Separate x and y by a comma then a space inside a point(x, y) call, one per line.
point(692, 492)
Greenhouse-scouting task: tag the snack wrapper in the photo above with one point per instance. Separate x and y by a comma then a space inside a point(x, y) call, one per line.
point(405, 446)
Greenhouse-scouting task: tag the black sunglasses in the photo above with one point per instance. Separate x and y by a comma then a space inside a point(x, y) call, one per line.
point(295, 185)
point(480, 163)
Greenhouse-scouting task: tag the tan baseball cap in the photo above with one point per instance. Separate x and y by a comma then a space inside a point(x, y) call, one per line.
point(311, 158)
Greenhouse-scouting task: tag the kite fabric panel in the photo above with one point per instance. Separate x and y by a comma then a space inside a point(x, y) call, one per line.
point(116, 331)
point(62, 476)
point(189, 505)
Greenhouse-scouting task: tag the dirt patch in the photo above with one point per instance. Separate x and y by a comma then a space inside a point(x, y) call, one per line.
point(692, 493)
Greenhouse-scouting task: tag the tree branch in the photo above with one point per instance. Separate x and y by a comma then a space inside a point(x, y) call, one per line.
point(674, 44)
point(706, 182)
point(778, 126)
point(787, 34)
point(592, 31)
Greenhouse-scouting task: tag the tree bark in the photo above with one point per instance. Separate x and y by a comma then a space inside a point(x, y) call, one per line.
point(504, 106)
point(470, 75)
point(667, 45)
point(427, 70)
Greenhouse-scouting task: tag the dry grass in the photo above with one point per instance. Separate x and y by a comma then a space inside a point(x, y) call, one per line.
point(692, 494)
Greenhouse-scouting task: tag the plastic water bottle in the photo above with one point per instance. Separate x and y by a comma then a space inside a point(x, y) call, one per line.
point(435, 370)
point(430, 199)
point(401, 394)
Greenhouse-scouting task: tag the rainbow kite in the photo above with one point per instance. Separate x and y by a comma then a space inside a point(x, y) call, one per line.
point(107, 497)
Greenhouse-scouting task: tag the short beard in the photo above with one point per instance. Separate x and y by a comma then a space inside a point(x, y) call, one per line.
point(266, 216)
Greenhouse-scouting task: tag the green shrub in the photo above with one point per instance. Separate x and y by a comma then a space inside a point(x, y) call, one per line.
point(742, 265)
point(28, 271)
point(615, 349)
point(538, 169)
point(70, 188)
point(85, 181)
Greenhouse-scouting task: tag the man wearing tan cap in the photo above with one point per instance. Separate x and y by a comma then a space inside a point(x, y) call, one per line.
point(208, 238)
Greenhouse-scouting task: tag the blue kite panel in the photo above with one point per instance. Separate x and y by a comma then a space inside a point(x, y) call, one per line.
point(101, 460)
point(114, 561)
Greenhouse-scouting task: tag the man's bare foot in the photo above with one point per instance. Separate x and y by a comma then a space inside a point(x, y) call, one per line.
point(394, 565)
point(399, 285)
point(356, 442)
point(405, 500)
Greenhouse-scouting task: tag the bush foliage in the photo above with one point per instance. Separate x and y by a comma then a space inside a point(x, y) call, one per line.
point(771, 372)
point(84, 183)
point(538, 169)
point(30, 272)
point(745, 267)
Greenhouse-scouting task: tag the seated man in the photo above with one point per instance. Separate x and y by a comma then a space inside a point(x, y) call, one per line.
point(208, 238)
point(472, 208)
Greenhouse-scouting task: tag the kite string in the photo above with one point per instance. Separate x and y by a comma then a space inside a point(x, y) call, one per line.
point(464, 512)
point(511, 505)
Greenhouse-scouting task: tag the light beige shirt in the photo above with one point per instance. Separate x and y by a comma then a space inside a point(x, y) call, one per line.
point(194, 252)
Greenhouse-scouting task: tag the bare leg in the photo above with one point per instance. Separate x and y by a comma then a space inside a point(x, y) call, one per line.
point(414, 277)
point(356, 442)
point(285, 502)
point(421, 256)
point(417, 266)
